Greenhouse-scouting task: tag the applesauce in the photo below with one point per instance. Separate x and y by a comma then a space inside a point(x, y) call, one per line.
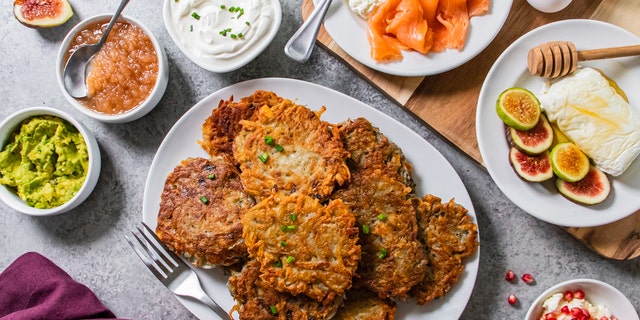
point(123, 72)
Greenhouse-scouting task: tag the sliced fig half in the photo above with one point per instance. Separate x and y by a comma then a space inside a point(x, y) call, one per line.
point(535, 140)
point(592, 189)
point(569, 162)
point(518, 108)
point(534, 168)
point(42, 13)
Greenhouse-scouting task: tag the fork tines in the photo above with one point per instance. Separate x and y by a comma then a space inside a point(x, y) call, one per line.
point(158, 258)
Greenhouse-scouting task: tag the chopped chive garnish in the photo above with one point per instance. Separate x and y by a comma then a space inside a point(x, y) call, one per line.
point(222, 6)
point(382, 217)
point(287, 228)
point(292, 217)
point(269, 140)
point(204, 199)
point(290, 259)
point(264, 157)
point(191, 28)
point(273, 309)
point(279, 148)
point(365, 229)
point(225, 31)
point(278, 264)
point(283, 243)
point(195, 15)
point(382, 253)
point(234, 36)
point(212, 176)
point(247, 23)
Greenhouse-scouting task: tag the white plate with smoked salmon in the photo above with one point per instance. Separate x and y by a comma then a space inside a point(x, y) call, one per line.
point(593, 120)
point(396, 47)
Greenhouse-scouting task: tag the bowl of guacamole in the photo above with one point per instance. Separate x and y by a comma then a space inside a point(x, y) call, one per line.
point(49, 162)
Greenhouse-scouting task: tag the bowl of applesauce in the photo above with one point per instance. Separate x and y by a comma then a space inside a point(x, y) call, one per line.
point(127, 77)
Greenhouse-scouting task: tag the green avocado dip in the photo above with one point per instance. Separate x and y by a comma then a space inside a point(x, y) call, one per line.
point(44, 161)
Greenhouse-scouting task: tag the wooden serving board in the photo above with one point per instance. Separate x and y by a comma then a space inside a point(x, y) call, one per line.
point(447, 102)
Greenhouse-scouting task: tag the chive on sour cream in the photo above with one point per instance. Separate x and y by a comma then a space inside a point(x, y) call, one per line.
point(222, 35)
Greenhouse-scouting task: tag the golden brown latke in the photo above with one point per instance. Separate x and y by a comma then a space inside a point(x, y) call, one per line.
point(365, 305)
point(221, 127)
point(257, 300)
point(311, 160)
point(393, 259)
point(303, 246)
point(200, 212)
point(450, 236)
point(369, 149)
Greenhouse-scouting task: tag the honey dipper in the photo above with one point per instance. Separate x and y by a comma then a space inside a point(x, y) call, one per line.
point(559, 58)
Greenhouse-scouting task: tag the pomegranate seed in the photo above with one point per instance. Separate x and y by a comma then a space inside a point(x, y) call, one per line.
point(568, 296)
point(512, 299)
point(527, 278)
point(550, 316)
point(510, 275)
point(604, 318)
point(578, 294)
point(565, 310)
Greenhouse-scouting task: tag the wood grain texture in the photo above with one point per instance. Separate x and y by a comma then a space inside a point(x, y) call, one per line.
point(447, 102)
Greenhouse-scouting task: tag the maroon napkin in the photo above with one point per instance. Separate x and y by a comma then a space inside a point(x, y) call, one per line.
point(33, 287)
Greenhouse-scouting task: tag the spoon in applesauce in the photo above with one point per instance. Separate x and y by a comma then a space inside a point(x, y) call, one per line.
point(78, 65)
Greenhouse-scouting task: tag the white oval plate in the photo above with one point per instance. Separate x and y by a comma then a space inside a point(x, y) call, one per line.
point(349, 31)
point(543, 201)
point(432, 173)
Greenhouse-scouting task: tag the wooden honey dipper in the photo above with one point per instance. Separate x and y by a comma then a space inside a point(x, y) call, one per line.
point(559, 58)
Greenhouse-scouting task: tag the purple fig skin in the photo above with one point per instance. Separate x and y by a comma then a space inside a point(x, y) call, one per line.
point(536, 140)
point(532, 168)
point(594, 188)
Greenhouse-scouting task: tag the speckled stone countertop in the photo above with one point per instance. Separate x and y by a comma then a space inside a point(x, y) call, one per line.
point(89, 243)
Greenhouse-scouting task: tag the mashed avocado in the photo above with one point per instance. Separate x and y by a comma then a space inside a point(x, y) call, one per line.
point(45, 161)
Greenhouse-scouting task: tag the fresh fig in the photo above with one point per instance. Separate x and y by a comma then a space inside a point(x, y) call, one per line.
point(518, 108)
point(569, 162)
point(42, 13)
point(534, 168)
point(535, 140)
point(593, 188)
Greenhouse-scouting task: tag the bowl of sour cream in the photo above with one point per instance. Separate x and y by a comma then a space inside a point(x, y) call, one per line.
point(222, 36)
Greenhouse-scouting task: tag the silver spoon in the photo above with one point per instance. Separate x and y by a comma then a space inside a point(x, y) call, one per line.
point(300, 45)
point(77, 67)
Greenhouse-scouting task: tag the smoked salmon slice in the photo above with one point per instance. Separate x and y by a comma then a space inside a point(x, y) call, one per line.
point(451, 33)
point(477, 7)
point(398, 25)
point(420, 25)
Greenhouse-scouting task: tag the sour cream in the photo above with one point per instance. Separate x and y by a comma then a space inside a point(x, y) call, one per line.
point(222, 35)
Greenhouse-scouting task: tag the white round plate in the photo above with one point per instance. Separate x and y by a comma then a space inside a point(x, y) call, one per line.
point(542, 200)
point(432, 174)
point(349, 31)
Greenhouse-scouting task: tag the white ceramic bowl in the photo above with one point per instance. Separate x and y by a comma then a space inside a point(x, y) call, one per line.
point(139, 111)
point(199, 38)
point(596, 292)
point(11, 123)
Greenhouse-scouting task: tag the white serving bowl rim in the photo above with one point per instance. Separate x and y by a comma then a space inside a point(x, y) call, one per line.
point(597, 292)
point(228, 67)
point(11, 123)
point(148, 104)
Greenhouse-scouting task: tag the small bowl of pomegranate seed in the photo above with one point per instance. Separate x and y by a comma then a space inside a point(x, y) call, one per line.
point(582, 299)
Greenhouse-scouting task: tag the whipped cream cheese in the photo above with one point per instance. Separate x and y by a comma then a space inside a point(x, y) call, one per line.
point(217, 32)
point(555, 303)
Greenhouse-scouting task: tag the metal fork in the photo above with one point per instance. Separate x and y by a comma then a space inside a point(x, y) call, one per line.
point(174, 273)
